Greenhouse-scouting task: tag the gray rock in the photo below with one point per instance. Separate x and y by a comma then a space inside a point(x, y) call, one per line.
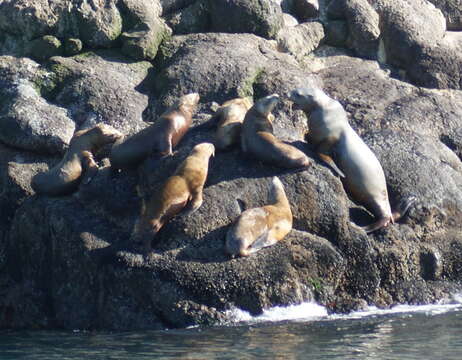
point(402, 32)
point(452, 11)
point(263, 18)
point(192, 19)
point(103, 87)
point(72, 46)
point(300, 40)
point(289, 20)
point(169, 6)
point(100, 22)
point(45, 47)
point(29, 122)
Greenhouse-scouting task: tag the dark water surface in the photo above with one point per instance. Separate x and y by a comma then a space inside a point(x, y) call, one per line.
point(416, 335)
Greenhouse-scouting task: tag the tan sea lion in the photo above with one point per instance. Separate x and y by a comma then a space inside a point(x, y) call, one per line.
point(261, 227)
point(257, 137)
point(77, 165)
point(361, 172)
point(183, 187)
point(230, 116)
point(159, 137)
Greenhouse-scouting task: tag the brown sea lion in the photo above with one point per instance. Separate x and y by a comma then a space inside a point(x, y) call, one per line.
point(230, 116)
point(159, 137)
point(257, 137)
point(361, 172)
point(78, 164)
point(183, 188)
point(261, 227)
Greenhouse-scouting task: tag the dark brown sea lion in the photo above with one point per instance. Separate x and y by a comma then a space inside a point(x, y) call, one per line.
point(257, 137)
point(159, 137)
point(78, 164)
point(183, 188)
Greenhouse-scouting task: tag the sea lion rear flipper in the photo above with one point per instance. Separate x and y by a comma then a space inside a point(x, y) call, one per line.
point(376, 225)
point(194, 203)
point(90, 167)
point(263, 241)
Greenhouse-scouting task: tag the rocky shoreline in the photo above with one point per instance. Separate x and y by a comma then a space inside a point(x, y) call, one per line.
point(65, 262)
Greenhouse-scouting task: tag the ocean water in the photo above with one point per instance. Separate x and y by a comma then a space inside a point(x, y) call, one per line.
point(304, 331)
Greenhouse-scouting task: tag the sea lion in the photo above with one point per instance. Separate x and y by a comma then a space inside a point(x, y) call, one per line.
point(361, 172)
point(230, 116)
point(159, 137)
point(261, 227)
point(257, 137)
point(77, 164)
point(183, 187)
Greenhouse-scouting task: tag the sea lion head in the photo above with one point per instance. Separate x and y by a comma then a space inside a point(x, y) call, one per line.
point(307, 98)
point(206, 149)
point(266, 104)
point(191, 99)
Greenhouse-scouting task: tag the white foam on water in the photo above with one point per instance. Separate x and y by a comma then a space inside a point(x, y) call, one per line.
point(303, 311)
point(310, 311)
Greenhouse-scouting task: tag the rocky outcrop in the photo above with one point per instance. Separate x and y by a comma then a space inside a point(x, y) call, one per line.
point(66, 262)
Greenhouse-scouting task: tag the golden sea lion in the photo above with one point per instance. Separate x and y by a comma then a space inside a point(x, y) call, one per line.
point(77, 164)
point(257, 137)
point(361, 172)
point(183, 187)
point(261, 227)
point(230, 116)
point(159, 137)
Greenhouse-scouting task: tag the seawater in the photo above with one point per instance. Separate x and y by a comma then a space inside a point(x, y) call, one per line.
point(304, 331)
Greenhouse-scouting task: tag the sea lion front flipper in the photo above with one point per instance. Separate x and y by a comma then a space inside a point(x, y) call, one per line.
point(90, 167)
point(330, 162)
point(194, 203)
point(262, 241)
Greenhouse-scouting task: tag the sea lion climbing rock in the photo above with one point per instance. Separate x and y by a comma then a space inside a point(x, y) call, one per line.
point(257, 137)
point(361, 172)
point(261, 227)
point(183, 188)
point(230, 116)
point(159, 137)
point(66, 176)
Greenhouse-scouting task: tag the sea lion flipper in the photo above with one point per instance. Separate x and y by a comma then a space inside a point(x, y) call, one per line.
point(330, 162)
point(323, 150)
point(90, 167)
point(261, 242)
point(194, 203)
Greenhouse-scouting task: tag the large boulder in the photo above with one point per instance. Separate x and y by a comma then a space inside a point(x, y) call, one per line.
point(103, 86)
point(452, 11)
point(263, 18)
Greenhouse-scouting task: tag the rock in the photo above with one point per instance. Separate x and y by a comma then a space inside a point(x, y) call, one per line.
point(72, 46)
point(103, 86)
point(100, 22)
point(289, 20)
point(169, 6)
point(192, 19)
point(336, 33)
point(45, 47)
point(142, 42)
point(300, 40)
point(29, 122)
point(145, 29)
point(306, 9)
point(439, 66)
point(36, 18)
point(401, 30)
point(262, 18)
point(452, 11)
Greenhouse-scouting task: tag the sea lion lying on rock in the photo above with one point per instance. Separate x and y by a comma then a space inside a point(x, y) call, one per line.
point(261, 227)
point(257, 137)
point(77, 165)
point(183, 187)
point(361, 172)
point(159, 137)
point(230, 116)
